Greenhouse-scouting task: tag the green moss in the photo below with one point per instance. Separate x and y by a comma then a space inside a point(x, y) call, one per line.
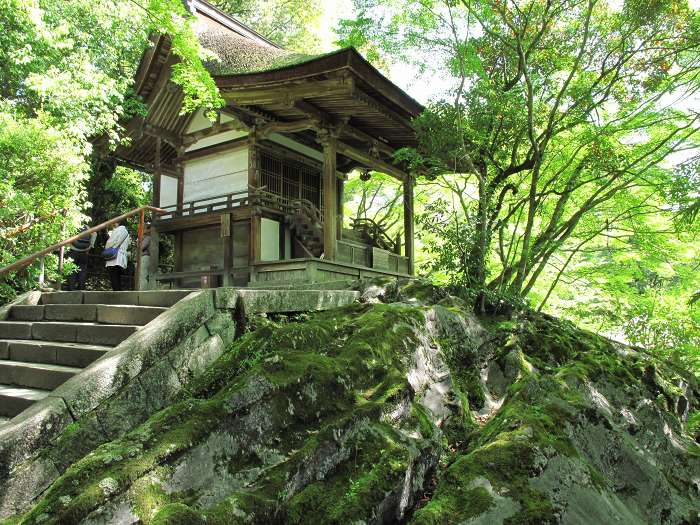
point(178, 514)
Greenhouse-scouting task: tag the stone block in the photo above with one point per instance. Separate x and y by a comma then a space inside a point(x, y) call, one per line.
point(226, 298)
point(97, 334)
point(31, 431)
point(223, 325)
point(4, 350)
point(15, 330)
point(27, 312)
point(160, 384)
point(62, 298)
point(123, 411)
point(25, 484)
point(128, 314)
point(254, 301)
point(160, 335)
point(99, 381)
point(163, 298)
point(79, 355)
point(33, 352)
point(70, 312)
point(54, 331)
point(190, 362)
point(28, 298)
point(106, 376)
point(72, 444)
point(111, 298)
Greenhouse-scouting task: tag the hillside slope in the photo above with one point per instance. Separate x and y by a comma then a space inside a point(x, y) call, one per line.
point(409, 410)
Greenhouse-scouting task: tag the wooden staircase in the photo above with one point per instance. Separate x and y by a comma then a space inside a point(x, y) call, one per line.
point(306, 224)
point(44, 345)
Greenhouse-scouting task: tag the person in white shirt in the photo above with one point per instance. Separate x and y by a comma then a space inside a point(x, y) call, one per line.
point(119, 239)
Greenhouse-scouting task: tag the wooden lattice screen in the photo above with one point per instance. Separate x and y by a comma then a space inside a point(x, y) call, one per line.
point(290, 179)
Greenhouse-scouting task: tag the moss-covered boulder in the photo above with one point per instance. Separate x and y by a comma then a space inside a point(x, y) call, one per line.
point(411, 411)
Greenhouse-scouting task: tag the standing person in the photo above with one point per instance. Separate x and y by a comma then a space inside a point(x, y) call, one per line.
point(116, 254)
point(78, 252)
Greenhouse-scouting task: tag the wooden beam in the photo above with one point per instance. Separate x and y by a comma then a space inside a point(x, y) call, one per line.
point(371, 162)
point(408, 222)
point(330, 218)
point(190, 138)
point(168, 136)
point(275, 94)
point(323, 117)
point(266, 130)
point(377, 106)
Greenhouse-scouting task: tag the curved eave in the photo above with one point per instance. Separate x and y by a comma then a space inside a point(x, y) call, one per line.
point(347, 58)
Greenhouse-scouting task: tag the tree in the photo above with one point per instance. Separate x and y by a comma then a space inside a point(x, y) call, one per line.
point(66, 68)
point(290, 23)
point(555, 123)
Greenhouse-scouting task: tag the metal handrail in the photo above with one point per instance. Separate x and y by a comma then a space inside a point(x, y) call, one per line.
point(33, 257)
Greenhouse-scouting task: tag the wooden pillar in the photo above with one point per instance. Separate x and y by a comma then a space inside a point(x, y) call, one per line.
point(180, 188)
point(254, 183)
point(226, 228)
point(139, 244)
point(408, 221)
point(330, 202)
point(341, 202)
point(157, 175)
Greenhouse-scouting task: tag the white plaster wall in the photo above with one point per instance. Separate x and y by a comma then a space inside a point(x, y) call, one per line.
point(168, 191)
point(217, 139)
point(200, 122)
point(215, 175)
point(270, 240)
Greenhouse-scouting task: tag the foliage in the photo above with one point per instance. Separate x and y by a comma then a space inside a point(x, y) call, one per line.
point(553, 135)
point(66, 70)
point(42, 175)
point(291, 24)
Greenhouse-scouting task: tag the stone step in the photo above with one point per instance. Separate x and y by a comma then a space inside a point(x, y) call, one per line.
point(123, 314)
point(14, 399)
point(66, 354)
point(92, 333)
point(35, 375)
point(161, 298)
point(102, 313)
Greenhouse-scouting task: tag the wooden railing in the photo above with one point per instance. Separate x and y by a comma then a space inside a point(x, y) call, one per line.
point(59, 246)
point(376, 234)
point(207, 205)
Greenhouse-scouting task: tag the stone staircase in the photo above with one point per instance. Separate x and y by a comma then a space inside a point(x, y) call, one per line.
point(44, 345)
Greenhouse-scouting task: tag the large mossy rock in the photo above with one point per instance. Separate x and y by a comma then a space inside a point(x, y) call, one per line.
point(411, 411)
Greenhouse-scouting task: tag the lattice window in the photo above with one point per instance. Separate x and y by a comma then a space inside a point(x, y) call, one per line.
point(290, 179)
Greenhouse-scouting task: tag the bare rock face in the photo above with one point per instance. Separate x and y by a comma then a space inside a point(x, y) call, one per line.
point(404, 409)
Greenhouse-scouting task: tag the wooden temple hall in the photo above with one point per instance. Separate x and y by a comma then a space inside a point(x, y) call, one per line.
point(256, 197)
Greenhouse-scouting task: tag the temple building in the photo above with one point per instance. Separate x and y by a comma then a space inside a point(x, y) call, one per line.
point(255, 198)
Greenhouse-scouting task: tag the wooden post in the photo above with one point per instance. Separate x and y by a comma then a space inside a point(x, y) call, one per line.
point(341, 202)
point(330, 233)
point(61, 253)
point(157, 174)
point(180, 188)
point(228, 248)
point(139, 243)
point(253, 182)
point(408, 221)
